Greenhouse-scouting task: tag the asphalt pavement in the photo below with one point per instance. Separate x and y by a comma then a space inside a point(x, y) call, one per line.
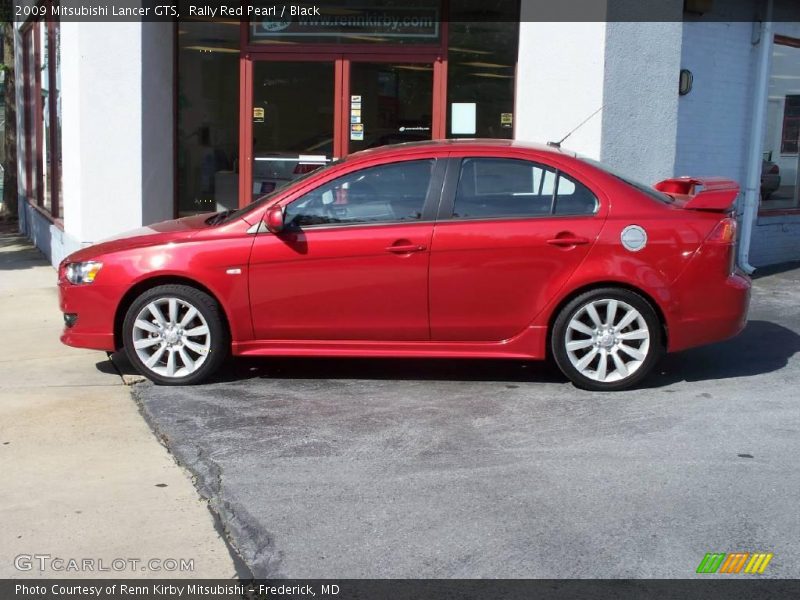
point(438, 468)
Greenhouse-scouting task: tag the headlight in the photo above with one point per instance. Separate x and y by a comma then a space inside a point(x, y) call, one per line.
point(82, 272)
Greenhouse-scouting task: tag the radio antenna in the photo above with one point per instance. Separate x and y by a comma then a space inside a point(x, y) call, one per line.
point(581, 124)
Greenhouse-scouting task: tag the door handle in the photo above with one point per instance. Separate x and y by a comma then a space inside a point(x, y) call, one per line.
point(406, 248)
point(568, 241)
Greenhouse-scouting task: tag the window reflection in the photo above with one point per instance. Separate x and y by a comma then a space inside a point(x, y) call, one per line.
point(389, 193)
point(208, 116)
point(780, 188)
point(482, 58)
point(44, 115)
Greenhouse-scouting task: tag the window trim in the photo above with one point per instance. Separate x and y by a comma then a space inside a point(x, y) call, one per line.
point(432, 196)
point(447, 203)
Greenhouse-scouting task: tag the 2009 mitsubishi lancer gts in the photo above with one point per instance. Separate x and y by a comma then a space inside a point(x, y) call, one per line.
point(481, 248)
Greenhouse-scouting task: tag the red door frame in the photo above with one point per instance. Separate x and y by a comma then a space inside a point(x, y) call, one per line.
point(438, 110)
point(341, 105)
point(341, 55)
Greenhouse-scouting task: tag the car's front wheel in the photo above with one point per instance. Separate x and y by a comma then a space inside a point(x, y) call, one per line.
point(175, 335)
point(607, 339)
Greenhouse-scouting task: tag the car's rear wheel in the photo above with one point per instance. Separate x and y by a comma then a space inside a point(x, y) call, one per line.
point(607, 339)
point(175, 335)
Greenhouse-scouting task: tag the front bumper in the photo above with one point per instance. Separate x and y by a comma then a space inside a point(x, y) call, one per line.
point(93, 307)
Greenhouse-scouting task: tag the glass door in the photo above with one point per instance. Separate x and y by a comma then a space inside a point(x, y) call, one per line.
point(389, 103)
point(301, 111)
point(292, 121)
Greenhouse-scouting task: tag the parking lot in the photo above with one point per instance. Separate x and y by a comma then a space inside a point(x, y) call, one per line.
point(401, 468)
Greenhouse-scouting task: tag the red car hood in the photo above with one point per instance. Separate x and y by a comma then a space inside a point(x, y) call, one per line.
point(152, 235)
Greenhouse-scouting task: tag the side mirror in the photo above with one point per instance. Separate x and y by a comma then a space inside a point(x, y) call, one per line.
point(274, 219)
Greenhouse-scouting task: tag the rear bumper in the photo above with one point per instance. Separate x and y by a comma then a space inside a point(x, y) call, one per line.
point(93, 308)
point(711, 311)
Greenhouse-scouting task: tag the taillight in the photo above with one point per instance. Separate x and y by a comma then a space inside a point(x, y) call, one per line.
point(774, 170)
point(724, 232)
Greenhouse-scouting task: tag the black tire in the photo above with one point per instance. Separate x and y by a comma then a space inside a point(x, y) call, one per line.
point(210, 311)
point(559, 338)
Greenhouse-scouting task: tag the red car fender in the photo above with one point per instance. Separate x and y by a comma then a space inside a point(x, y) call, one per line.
point(198, 262)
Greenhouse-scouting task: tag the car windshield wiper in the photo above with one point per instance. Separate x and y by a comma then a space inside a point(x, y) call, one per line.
point(219, 217)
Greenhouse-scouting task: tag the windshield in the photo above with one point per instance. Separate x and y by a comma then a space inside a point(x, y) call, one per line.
point(230, 215)
point(642, 187)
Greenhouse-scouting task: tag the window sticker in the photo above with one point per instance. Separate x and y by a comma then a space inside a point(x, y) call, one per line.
point(357, 132)
point(463, 118)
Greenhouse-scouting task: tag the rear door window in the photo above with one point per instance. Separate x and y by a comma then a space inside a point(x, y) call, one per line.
point(502, 187)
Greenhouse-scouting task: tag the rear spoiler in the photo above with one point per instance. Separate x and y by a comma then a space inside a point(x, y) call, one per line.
point(701, 193)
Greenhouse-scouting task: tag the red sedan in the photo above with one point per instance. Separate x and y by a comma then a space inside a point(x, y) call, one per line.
point(475, 249)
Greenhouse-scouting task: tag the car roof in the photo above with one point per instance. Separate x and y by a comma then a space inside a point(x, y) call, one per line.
point(462, 144)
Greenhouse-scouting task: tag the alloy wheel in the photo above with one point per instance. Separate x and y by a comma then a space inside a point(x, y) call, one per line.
point(607, 340)
point(171, 337)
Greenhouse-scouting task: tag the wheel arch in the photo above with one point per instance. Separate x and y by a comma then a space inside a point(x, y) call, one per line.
point(567, 298)
point(142, 286)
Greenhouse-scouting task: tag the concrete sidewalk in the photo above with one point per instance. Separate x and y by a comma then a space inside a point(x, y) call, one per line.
point(83, 477)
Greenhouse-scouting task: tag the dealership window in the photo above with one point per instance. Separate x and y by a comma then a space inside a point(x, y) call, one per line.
point(780, 166)
point(293, 92)
point(208, 116)
point(407, 22)
point(482, 59)
point(29, 113)
point(41, 82)
point(791, 125)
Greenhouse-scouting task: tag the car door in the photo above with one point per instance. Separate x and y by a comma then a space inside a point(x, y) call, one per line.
point(509, 235)
point(352, 261)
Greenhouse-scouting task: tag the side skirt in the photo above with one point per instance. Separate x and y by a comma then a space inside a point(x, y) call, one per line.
point(530, 344)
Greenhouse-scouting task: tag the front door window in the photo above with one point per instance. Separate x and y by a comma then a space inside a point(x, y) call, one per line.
point(390, 193)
